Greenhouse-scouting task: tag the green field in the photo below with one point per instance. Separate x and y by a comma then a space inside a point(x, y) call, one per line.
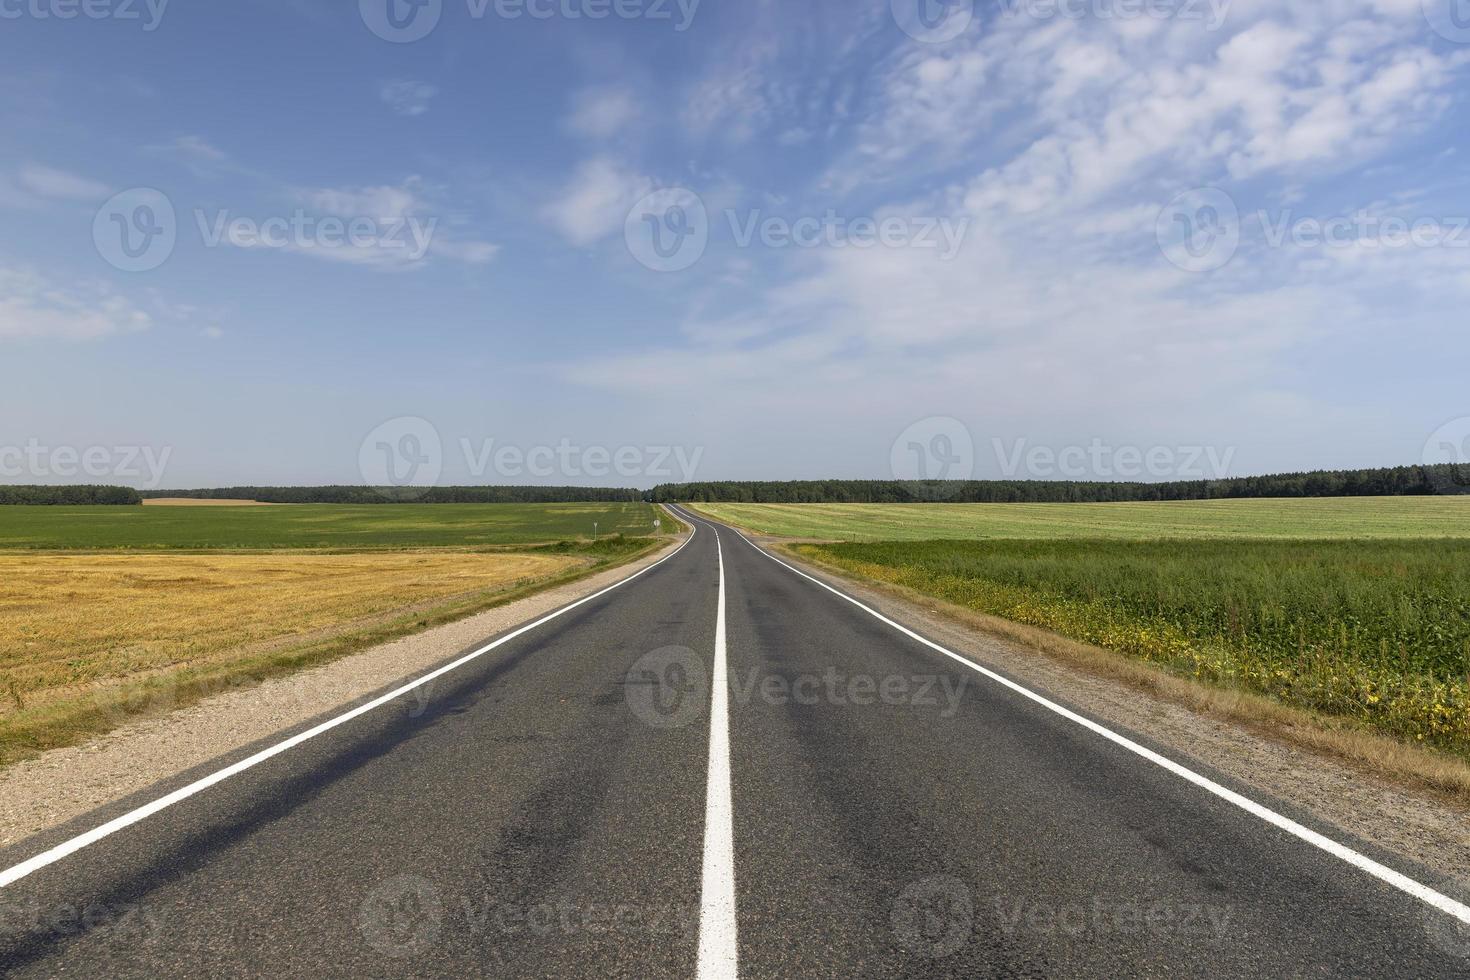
point(1376, 631)
point(317, 525)
point(1315, 518)
point(1355, 608)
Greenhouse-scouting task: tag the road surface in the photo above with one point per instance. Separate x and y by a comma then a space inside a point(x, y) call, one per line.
point(580, 799)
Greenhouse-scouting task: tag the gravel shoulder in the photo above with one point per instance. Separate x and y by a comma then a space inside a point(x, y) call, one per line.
point(39, 794)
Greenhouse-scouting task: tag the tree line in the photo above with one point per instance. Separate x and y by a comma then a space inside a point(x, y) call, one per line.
point(56, 496)
point(409, 495)
point(1395, 481)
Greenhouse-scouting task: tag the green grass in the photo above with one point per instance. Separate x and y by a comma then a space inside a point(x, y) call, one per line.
point(1316, 518)
point(316, 525)
point(1377, 631)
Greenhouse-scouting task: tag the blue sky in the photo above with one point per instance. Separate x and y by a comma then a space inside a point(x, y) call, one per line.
point(1035, 171)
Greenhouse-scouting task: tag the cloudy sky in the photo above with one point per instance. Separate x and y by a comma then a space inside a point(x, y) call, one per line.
point(269, 241)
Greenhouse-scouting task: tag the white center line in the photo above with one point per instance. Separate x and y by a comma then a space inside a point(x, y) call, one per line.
point(718, 955)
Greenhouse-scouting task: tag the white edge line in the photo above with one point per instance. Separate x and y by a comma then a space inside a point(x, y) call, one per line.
point(11, 875)
point(1361, 861)
point(718, 946)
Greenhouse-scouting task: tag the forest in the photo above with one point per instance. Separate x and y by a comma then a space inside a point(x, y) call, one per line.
point(1388, 482)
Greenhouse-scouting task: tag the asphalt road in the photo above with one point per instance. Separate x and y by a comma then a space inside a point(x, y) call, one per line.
point(581, 801)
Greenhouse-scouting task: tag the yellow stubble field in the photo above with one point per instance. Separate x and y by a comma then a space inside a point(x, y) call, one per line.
point(82, 632)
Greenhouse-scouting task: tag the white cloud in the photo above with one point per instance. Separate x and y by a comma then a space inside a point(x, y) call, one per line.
point(48, 182)
point(1062, 140)
point(596, 201)
point(407, 97)
point(34, 308)
point(198, 148)
point(196, 153)
point(740, 96)
point(12, 196)
point(384, 203)
point(599, 113)
point(1101, 103)
point(1018, 342)
point(408, 228)
point(470, 253)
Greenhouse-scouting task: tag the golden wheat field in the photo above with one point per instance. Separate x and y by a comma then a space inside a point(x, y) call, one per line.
point(74, 621)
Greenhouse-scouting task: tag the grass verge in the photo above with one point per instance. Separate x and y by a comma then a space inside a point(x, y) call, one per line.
point(673, 524)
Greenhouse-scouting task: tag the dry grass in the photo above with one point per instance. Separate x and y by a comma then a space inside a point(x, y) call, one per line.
point(88, 640)
point(80, 619)
point(1345, 740)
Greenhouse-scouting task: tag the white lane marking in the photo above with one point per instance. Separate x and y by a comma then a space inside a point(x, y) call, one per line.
point(718, 950)
point(12, 875)
point(1361, 861)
